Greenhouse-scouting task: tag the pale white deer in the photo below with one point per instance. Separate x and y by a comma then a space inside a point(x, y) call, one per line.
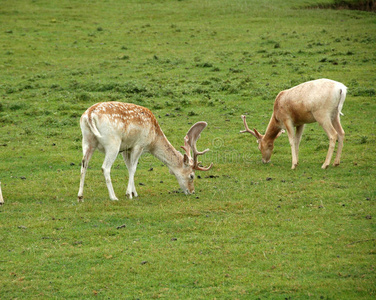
point(313, 101)
point(129, 129)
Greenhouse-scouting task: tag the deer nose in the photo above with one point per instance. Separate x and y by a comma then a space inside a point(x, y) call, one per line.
point(188, 192)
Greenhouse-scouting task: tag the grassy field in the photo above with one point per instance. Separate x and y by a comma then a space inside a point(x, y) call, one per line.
point(251, 231)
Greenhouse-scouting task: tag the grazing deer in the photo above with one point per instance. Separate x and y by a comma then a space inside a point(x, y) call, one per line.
point(1, 196)
point(115, 127)
point(313, 101)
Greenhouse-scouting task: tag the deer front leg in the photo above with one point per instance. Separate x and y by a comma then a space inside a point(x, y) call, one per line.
point(131, 159)
point(298, 138)
point(291, 135)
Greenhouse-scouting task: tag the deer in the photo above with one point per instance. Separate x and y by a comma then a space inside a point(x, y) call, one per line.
point(130, 129)
point(319, 101)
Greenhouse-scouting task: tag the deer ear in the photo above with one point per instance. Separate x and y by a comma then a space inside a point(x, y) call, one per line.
point(186, 160)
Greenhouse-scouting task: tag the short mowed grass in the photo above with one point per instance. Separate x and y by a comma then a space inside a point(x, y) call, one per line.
point(251, 231)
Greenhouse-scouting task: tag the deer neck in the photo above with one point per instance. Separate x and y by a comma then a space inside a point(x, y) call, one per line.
point(272, 130)
point(165, 152)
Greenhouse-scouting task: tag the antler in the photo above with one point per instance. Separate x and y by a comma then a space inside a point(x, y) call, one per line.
point(255, 133)
point(197, 163)
point(190, 141)
point(186, 147)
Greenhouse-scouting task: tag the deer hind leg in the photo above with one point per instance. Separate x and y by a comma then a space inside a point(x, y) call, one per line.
point(341, 136)
point(131, 157)
point(110, 157)
point(332, 135)
point(88, 150)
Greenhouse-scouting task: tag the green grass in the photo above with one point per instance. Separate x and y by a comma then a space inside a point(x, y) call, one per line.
point(251, 231)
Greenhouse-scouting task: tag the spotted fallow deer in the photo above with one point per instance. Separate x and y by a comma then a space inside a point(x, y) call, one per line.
point(115, 127)
point(313, 101)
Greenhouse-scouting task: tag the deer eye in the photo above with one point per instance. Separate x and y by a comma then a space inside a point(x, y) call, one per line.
point(192, 176)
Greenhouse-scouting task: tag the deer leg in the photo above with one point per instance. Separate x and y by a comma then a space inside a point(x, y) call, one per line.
point(131, 159)
point(109, 160)
point(341, 136)
point(291, 135)
point(298, 138)
point(1, 196)
point(332, 135)
point(88, 151)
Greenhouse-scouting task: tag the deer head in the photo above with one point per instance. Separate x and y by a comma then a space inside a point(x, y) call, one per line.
point(186, 175)
point(265, 145)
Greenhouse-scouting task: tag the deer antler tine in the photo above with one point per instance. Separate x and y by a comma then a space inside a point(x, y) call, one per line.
point(203, 168)
point(253, 132)
point(246, 126)
point(187, 147)
point(196, 162)
point(202, 152)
